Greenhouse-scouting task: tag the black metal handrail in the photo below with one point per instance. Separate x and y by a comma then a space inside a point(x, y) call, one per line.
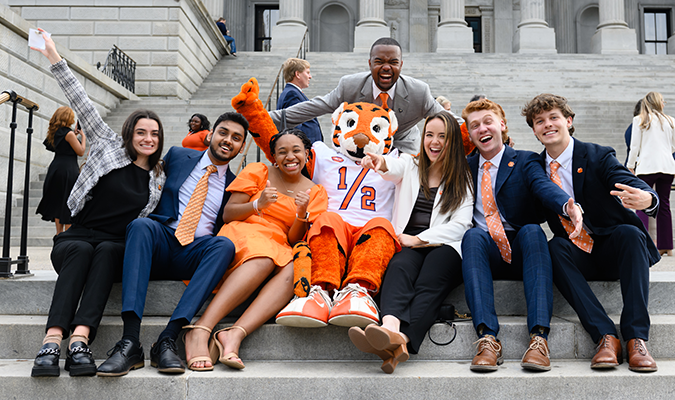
point(22, 261)
point(302, 54)
point(120, 67)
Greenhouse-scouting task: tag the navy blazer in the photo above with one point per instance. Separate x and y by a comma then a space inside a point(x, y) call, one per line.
point(178, 163)
point(595, 170)
point(291, 95)
point(522, 188)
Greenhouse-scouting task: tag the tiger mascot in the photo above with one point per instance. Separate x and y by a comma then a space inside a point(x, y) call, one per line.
point(351, 244)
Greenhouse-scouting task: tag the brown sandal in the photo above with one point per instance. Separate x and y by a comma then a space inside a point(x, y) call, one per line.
point(199, 358)
point(217, 350)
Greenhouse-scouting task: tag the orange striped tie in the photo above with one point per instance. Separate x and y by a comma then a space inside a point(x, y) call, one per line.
point(384, 97)
point(185, 233)
point(584, 241)
point(491, 212)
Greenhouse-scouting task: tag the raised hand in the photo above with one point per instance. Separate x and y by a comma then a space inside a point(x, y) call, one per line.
point(302, 202)
point(50, 48)
point(248, 94)
point(636, 199)
point(268, 196)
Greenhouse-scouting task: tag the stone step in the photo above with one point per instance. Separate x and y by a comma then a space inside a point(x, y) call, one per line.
point(22, 337)
point(569, 379)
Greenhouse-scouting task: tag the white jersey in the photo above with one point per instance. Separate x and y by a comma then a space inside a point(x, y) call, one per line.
point(355, 193)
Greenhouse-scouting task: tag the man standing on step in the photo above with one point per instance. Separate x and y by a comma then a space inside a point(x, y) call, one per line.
point(507, 242)
point(177, 242)
point(297, 77)
point(615, 244)
point(410, 98)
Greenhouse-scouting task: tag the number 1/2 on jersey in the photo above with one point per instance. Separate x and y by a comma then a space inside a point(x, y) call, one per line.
point(367, 192)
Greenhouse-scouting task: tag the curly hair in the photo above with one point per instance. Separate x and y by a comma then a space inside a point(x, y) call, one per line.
point(63, 116)
point(205, 124)
point(547, 102)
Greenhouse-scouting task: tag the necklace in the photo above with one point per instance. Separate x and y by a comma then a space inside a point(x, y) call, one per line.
point(281, 178)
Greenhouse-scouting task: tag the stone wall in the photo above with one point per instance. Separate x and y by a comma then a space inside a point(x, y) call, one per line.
point(175, 43)
point(26, 72)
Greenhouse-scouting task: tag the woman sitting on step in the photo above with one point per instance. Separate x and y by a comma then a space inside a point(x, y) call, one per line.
point(199, 128)
point(270, 208)
point(121, 180)
point(434, 207)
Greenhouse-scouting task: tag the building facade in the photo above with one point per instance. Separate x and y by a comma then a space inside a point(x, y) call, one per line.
point(487, 26)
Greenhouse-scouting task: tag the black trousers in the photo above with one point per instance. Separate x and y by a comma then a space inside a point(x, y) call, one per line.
point(88, 263)
point(415, 284)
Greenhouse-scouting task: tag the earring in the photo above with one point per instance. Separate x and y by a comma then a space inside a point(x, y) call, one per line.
point(275, 165)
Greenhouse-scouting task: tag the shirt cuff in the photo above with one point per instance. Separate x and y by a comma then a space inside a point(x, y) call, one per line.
point(651, 211)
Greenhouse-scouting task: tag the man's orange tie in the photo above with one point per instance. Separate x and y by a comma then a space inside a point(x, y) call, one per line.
point(494, 222)
point(383, 98)
point(584, 241)
point(185, 233)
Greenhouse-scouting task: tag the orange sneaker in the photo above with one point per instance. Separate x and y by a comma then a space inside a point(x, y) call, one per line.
point(307, 312)
point(353, 306)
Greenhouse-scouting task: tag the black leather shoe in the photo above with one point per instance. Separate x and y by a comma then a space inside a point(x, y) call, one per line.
point(125, 356)
point(164, 357)
point(79, 360)
point(47, 361)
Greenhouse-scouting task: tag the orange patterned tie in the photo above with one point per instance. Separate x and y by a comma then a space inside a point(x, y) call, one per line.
point(185, 233)
point(584, 241)
point(383, 98)
point(491, 212)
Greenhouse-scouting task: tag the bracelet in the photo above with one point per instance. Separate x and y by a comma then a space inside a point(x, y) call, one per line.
point(255, 207)
point(302, 219)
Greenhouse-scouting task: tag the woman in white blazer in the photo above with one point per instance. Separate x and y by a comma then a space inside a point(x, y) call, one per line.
point(650, 158)
point(433, 209)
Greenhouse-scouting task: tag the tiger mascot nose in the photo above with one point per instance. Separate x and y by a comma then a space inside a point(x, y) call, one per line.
point(361, 140)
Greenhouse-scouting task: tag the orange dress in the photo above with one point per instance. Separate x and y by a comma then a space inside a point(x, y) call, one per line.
point(266, 235)
point(195, 140)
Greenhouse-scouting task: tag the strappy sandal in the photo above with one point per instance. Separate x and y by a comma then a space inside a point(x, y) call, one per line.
point(217, 350)
point(193, 360)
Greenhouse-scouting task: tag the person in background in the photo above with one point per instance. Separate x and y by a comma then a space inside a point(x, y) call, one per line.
point(120, 182)
point(445, 103)
point(433, 209)
point(651, 147)
point(629, 131)
point(199, 129)
point(63, 170)
point(297, 77)
point(226, 34)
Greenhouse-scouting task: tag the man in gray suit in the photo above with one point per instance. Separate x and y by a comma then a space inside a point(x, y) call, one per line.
point(410, 98)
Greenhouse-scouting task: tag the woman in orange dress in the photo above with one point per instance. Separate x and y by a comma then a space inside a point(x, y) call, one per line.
point(198, 126)
point(269, 209)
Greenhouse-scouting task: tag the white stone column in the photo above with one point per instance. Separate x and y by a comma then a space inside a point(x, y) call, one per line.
point(533, 34)
point(371, 25)
point(454, 35)
point(613, 35)
point(287, 34)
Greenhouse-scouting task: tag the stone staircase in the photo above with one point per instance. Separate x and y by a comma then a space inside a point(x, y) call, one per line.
point(297, 363)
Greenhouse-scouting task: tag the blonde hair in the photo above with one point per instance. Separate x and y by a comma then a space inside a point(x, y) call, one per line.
point(652, 103)
point(293, 65)
point(63, 116)
point(443, 101)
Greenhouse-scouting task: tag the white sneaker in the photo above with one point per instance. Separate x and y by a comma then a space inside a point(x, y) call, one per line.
point(353, 306)
point(307, 312)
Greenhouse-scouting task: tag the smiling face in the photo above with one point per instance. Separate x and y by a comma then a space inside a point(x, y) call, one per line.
point(552, 130)
point(146, 138)
point(227, 141)
point(385, 65)
point(302, 79)
point(434, 139)
point(290, 155)
point(195, 123)
point(485, 130)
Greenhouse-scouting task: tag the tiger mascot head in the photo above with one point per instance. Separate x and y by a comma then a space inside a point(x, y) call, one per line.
point(361, 128)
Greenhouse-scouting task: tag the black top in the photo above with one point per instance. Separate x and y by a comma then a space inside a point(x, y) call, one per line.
point(420, 218)
point(116, 200)
point(61, 146)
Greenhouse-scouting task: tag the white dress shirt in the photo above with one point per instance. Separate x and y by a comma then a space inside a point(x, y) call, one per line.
point(214, 196)
point(478, 212)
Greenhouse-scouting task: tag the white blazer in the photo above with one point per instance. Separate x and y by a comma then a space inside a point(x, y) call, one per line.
point(443, 228)
point(651, 150)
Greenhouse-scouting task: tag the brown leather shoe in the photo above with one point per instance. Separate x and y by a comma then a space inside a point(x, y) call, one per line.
point(488, 354)
point(537, 357)
point(608, 353)
point(639, 359)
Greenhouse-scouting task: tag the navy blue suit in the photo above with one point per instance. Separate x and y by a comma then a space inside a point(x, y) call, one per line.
point(290, 96)
point(153, 252)
point(622, 248)
point(521, 188)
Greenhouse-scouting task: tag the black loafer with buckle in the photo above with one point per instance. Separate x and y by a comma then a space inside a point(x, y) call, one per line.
point(79, 360)
point(47, 361)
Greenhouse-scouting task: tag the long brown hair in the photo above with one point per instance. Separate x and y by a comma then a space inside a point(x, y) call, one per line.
point(128, 135)
point(652, 104)
point(63, 116)
point(455, 172)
